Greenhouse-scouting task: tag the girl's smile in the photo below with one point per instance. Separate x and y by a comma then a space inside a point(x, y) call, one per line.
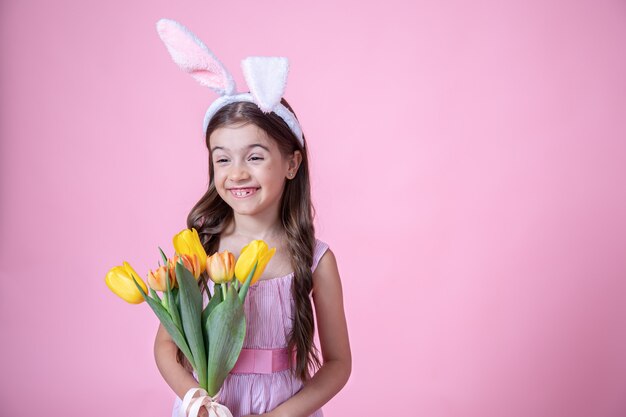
point(243, 192)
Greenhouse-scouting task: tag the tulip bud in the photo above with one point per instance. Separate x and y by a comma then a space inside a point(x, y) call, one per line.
point(157, 280)
point(253, 252)
point(120, 279)
point(221, 267)
point(187, 242)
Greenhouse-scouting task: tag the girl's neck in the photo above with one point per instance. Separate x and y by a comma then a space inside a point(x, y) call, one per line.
point(251, 228)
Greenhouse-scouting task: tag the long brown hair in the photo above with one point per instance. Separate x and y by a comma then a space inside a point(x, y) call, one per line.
point(211, 215)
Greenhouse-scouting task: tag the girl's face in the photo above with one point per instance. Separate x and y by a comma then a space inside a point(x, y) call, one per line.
point(249, 172)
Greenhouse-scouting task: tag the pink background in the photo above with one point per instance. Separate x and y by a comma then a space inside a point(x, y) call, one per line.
point(468, 170)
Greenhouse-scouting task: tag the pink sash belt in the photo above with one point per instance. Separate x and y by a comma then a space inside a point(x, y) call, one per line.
point(262, 361)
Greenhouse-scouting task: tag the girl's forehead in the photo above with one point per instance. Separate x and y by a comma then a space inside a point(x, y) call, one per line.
point(239, 138)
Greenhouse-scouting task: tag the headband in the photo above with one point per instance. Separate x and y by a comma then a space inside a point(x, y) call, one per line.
point(266, 76)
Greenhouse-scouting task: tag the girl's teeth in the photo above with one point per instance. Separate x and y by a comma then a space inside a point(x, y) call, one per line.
point(243, 193)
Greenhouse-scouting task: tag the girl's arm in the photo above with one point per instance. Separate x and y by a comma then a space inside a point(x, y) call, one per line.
point(334, 343)
point(176, 376)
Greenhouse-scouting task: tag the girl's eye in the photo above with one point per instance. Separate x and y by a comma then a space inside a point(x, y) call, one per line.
point(256, 158)
point(222, 160)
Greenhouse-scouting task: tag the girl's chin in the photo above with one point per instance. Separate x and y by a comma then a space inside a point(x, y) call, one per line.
point(243, 206)
point(248, 208)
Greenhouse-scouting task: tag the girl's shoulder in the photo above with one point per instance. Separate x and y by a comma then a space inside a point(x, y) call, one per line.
point(318, 252)
point(325, 271)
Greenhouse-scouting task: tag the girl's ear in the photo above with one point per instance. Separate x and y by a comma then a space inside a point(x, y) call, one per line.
point(294, 162)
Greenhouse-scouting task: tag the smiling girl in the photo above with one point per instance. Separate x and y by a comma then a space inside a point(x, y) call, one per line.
point(259, 188)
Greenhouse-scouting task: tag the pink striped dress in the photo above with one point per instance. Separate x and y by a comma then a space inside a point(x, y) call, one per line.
point(268, 308)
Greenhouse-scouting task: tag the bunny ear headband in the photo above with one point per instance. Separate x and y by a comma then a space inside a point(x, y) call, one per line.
point(266, 76)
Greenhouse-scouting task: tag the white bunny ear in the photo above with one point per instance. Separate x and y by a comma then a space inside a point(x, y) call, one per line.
point(190, 54)
point(266, 77)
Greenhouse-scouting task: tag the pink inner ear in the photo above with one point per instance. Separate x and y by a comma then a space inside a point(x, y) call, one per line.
point(192, 55)
point(209, 79)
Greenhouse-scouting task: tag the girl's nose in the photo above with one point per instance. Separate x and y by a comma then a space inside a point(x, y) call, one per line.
point(238, 173)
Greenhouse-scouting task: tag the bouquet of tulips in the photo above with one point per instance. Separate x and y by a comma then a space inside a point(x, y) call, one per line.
point(211, 337)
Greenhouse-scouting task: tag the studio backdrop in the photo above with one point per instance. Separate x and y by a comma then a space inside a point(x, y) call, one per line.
point(468, 163)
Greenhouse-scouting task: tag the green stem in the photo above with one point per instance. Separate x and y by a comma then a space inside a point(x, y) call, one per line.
point(205, 274)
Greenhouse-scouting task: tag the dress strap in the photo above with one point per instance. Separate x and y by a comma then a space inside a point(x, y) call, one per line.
point(320, 249)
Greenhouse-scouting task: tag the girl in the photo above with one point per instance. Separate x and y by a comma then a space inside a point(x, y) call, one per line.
point(259, 189)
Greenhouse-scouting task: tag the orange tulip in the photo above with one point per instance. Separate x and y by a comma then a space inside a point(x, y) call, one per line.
point(190, 261)
point(157, 280)
point(221, 267)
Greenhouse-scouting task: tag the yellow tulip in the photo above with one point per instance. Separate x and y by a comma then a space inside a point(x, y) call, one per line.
point(191, 262)
point(254, 251)
point(221, 267)
point(187, 242)
point(119, 279)
point(157, 280)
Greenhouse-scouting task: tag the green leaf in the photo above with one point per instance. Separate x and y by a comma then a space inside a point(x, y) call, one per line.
point(213, 302)
point(226, 327)
point(177, 336)
point(244, 288)
point(191, 314)
point(175, 294)
point(163, 257)
point(154, 294)
point(172, 305)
